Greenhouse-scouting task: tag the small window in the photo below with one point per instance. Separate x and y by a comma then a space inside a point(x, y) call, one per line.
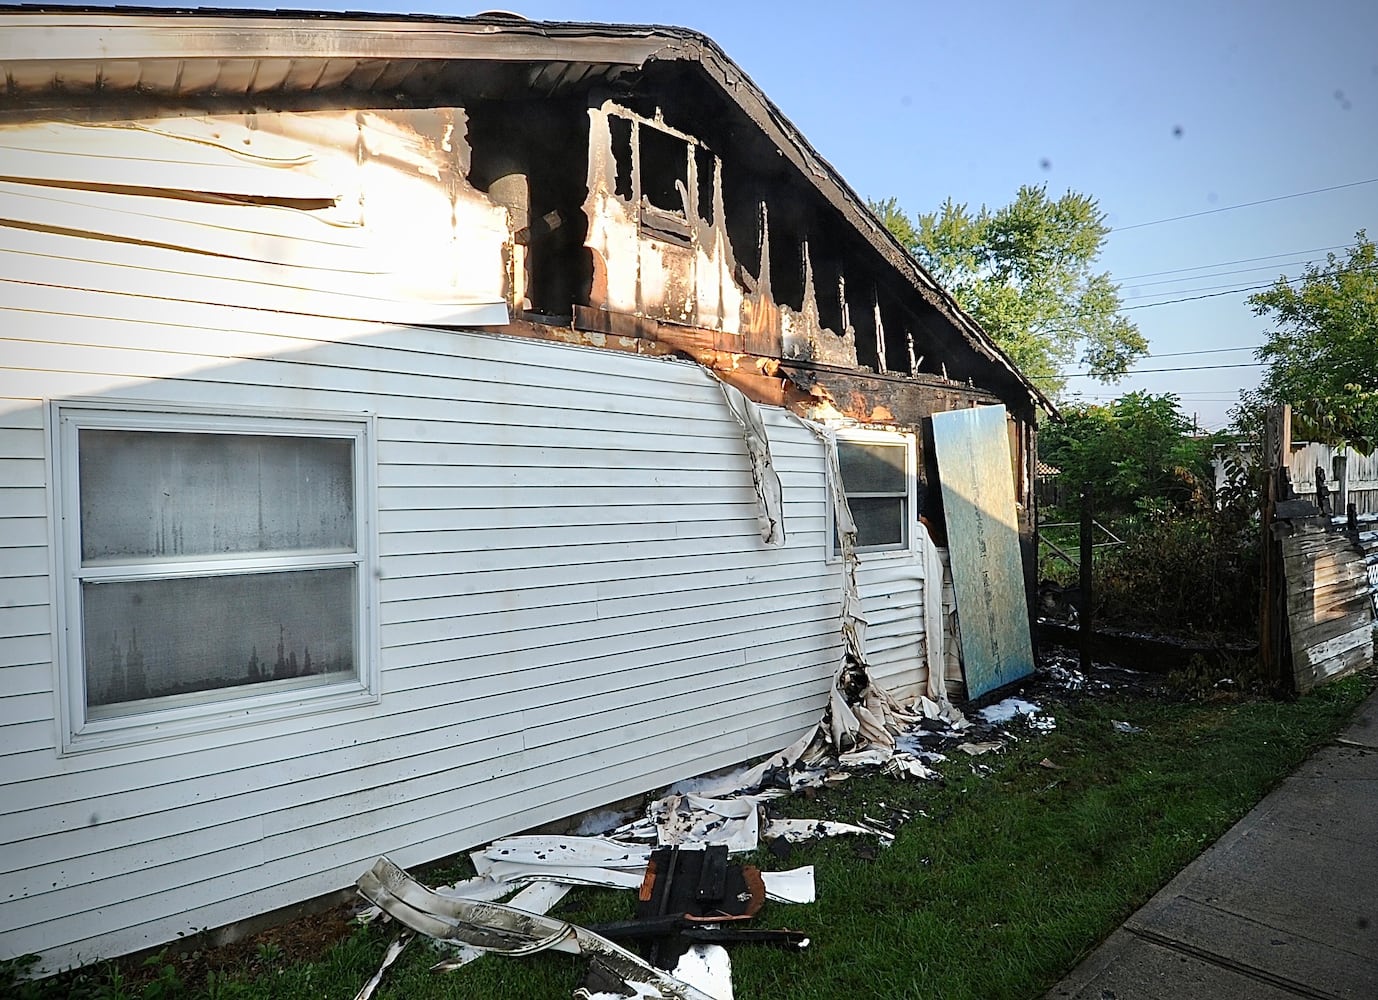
point(877, 476)
point(664, 170)
point(211, 563)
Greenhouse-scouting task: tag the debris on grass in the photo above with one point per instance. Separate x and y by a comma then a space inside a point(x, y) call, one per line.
point(1125, 727)
point(492, 927)
point(395, 949)
point(1004, 711)
point(976, 749)
point(796, 831)
point(727, 813)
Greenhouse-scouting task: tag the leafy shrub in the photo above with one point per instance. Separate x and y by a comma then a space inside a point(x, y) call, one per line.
point(1185, 573)
point(1185, 567)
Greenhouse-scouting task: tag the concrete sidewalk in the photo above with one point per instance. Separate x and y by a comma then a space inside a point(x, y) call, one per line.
point(1284, 906)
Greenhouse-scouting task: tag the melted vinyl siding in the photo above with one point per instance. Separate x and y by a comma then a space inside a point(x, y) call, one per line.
point(893, 591)
point(574, 606)
point(892, 588)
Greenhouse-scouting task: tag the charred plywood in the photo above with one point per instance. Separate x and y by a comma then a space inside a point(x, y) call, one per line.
point(658, 233)
point(655, 224)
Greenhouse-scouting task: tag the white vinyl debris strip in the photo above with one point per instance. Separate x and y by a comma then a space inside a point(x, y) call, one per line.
point(395, 949)
point(770, 503)
point(1017, 708)
point(492, 927)
point(537, 898)
point(976, 749)
point(1006, 710)
point(797, 831)
point(694, 819)
point(934, 654)
point(793, 886)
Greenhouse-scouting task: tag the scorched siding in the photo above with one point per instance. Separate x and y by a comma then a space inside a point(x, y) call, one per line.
point(573, 602)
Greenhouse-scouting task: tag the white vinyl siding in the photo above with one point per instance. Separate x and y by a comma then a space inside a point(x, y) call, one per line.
point(573, 603)
point(574, 606)
point(893, 592)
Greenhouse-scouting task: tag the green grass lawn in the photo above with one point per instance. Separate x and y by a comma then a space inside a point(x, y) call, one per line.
point(1007, 881)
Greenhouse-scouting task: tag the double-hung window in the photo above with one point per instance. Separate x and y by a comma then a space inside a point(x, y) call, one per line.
point(878, 479)
point(215, 568)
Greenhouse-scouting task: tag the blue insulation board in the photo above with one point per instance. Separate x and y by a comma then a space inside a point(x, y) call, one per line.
point(977, 477)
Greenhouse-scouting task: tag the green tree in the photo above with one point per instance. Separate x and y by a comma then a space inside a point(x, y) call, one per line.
point(1322, 352)
point(1138, 453)
point(1026, 272)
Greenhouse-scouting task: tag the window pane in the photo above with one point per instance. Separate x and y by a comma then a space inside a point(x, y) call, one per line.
point(161, 494)
point(879, 521)
point(871, 468)
point(204, 638)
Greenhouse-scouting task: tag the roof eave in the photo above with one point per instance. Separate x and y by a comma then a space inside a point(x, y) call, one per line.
point(91, 36)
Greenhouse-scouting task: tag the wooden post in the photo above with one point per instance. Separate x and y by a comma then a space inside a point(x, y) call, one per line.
point(1339, 465)
point(1273, 646)
point(1277, 436)
point(1085, 613)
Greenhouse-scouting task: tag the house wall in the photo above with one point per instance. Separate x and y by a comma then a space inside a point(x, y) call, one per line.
point(573, 606)
point(573, 603)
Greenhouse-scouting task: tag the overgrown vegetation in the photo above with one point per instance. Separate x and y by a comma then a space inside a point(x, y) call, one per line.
point(1190, 556)
point(995, 890)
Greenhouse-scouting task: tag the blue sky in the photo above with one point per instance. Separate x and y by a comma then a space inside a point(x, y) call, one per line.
point(1156, 109)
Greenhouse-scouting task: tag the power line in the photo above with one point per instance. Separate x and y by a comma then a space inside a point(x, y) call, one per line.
point(1250, 288)
point(1213, 274)
point(1186, 397)
point(1227, 263)
point(1151, 371)
point(1193, 298)
point(1213, 350)
point(1198, 288)
point(1246, 204)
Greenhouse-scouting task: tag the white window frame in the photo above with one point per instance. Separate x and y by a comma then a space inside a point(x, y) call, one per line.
point(893, 438)
point(80, 733)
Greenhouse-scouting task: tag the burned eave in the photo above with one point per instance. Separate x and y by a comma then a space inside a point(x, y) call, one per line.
point(274, 58)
